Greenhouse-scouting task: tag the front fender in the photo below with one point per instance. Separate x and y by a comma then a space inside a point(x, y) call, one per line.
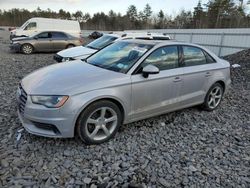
point(121, 95)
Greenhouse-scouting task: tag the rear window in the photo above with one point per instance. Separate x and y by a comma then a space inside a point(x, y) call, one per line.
point(44, 35)
point(57, 35)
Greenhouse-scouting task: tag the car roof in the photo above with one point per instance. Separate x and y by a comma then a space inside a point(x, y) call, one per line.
point(112, 35)
point(161, 42)
point(145, 34)
point(51, 31)
point(140, 41)
point(121, 34)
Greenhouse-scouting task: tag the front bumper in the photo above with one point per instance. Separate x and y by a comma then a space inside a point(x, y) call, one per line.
point(15, 47)
point(32, 127)
point(47, 122)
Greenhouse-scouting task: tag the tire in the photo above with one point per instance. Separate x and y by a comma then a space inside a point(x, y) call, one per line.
point(27, 49)
point(93, 126)
point(70, 46)
point(213, 97)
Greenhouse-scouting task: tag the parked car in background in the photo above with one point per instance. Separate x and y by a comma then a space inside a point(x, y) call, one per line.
point(36, 25)
point(47, 41)
point(124, 82)
point(11, 28)
point(82, 52)
point(95, 35)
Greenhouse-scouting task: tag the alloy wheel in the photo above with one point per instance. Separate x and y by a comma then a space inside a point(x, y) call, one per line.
point(27, 49)
point(101, 123)
point(215, 97)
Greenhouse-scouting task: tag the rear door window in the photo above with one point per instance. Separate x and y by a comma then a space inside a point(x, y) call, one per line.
point(193, 56)
point(59, 35)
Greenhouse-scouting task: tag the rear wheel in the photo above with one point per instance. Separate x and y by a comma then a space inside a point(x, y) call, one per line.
point(27, 48)
point(213, 97)
point(99, 122)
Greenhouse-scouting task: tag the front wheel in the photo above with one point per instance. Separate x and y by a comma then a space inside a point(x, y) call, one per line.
point(213, 97)
point(27, 49)
point(99, 122)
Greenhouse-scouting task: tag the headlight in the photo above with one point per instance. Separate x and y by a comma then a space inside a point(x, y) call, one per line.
point(67, 59)
point(49, 101)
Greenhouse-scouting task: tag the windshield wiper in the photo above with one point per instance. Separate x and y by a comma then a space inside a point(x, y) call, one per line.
point(97, 65)
point(92, 48)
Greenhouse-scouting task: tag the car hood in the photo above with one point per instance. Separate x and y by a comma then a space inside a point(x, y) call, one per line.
point(70, 79)
point(82, 57)
point(76, 51)
point(20, 39)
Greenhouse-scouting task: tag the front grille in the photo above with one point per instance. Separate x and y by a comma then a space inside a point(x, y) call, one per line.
point(22, 99)
point(58, 58)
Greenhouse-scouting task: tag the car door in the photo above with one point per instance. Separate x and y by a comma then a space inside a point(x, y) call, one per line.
point(197, 72)
point(159, 92)
point(59, 40)
point(43, 42)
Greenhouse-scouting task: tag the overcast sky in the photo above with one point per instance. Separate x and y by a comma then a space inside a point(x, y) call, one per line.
point(92, 6)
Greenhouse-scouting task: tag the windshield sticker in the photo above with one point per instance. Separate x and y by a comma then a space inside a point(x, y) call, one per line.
point(139, 49)
point(120, 65)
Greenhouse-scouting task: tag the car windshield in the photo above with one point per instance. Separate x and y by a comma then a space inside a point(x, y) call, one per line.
point(24, 25)
point(101, 42)
point(120, 56)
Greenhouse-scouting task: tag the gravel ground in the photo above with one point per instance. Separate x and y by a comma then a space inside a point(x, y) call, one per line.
point(188, 148)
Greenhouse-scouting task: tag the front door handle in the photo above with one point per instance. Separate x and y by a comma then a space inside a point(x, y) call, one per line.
point(177, 79)
point(207, 74)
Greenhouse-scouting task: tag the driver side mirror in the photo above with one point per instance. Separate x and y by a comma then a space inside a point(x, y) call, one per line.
point(149, 69)
point(36, 37)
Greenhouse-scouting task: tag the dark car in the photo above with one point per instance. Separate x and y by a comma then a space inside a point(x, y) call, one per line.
point(95, 35)
point(47, 41)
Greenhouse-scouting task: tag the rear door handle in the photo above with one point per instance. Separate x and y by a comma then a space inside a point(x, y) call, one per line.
point(208, 74)
point(177, 79)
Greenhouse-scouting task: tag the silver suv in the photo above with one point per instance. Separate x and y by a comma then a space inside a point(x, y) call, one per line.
point(124, 82)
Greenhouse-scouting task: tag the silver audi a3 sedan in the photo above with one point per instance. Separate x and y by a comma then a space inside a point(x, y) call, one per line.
point(124, 82)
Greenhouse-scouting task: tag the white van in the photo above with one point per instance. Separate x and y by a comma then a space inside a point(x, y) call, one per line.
point(35, 25)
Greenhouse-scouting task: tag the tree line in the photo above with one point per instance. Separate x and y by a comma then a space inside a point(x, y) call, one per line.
point(214, 14)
